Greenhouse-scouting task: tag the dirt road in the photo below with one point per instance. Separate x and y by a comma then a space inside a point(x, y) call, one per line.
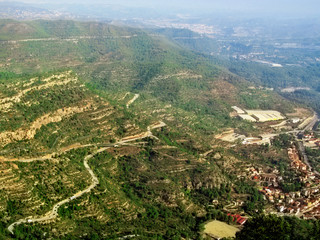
point(95, 181)
point(132, 100)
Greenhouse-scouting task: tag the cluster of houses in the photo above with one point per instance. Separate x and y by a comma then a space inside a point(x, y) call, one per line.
point(305, 202)
point(310, 140)
point(306, 176)
point(313, 214)
point(296, 163)
point(302, 202)
point(294, 202)
point(258, 175)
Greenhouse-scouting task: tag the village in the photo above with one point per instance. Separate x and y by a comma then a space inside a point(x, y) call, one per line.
point(303, 203)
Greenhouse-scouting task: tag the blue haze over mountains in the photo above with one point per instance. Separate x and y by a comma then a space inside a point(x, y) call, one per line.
point(136, 8)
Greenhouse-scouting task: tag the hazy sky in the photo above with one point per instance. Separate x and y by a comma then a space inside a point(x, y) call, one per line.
point(268, 7)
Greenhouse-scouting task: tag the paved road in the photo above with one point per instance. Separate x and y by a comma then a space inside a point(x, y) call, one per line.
point(311, 123)
point(302, 148)
point(303, 154)
point(75, 38)
point(302, 151)
point(95, 181)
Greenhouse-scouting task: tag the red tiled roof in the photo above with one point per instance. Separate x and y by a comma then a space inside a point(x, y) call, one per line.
point(237, 218)
point(242, 221)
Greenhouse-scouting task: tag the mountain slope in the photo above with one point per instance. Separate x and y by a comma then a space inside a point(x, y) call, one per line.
point(134, 109)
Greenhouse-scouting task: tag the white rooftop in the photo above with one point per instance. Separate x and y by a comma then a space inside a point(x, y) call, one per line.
point(265, 115)
point(247, 117)
point(239, 110)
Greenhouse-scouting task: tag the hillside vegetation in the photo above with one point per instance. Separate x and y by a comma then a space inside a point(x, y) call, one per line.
point(143, 112)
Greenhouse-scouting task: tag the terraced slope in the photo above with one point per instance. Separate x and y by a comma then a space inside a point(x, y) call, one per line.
point(58, 121)
point(152, 107)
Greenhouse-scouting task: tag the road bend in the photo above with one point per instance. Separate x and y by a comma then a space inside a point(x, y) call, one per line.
point(52, 214)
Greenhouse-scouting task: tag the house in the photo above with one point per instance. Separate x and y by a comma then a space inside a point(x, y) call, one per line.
point(312, 176)
point(268, 190)
point(275, 171)
point(256, 178)
point(242, 221)
point(281, 208)
point(309, 204)
point(289, 200)
point(292, 194)
point(269, 177)
point(303, 167)
point(296, 210)
point(270, 198)
point(308, 136)
point(238, 219)
point(295, 120)
point(277, 191)
point(296, 204)
point(290, 210)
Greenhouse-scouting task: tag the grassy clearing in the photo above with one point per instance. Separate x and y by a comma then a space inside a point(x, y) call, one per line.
point(220, 229)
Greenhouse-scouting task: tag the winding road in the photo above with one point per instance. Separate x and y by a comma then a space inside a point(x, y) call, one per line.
point(95, 181)
point(54, 212)
point(136, 96)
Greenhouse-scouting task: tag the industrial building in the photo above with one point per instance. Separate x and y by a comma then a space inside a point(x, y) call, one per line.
point(265, 115)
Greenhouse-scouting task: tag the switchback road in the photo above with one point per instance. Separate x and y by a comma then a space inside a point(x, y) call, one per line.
point(95, 181)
